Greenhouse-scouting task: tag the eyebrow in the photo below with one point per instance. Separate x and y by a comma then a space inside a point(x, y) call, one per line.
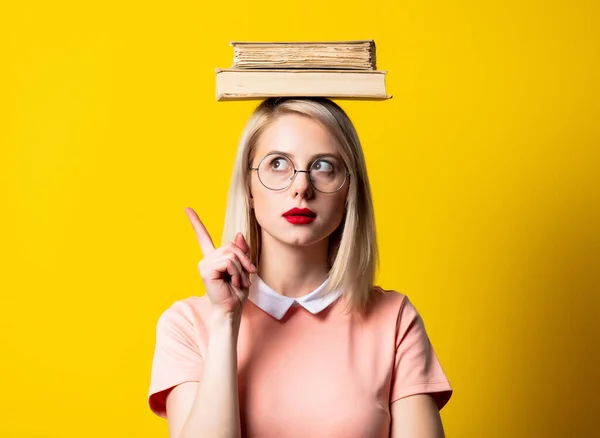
point(314, 157)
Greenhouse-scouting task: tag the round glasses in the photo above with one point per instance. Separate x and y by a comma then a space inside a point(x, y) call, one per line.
point(277, 172)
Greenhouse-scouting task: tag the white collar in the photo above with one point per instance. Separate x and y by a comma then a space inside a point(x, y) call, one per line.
point(277, 305)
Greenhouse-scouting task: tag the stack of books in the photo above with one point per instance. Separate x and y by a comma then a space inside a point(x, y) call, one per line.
point(334, 69)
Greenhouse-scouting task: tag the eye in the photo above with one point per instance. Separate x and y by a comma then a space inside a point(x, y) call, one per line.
point(323, 166)
point(279, 164)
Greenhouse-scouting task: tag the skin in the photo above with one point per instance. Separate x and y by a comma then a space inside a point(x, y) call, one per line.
point(293, 258)
point(293, 261)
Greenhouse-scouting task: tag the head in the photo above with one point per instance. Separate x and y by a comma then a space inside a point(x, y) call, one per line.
point(305, 132)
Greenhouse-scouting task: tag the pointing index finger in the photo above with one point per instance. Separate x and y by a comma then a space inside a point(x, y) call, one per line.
point(206, 244)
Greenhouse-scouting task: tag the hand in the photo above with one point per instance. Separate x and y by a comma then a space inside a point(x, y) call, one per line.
point(224, 271)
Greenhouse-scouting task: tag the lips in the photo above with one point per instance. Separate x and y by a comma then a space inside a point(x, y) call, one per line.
point(299, 216)
point(304, 212)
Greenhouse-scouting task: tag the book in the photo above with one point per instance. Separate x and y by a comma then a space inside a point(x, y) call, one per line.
point(249, 84)
point(352, 55)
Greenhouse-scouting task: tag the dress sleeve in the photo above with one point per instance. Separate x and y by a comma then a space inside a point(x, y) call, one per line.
point(417, 369)
point(177, 358)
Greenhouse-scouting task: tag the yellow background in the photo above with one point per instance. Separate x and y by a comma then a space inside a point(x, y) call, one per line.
point(484, 168)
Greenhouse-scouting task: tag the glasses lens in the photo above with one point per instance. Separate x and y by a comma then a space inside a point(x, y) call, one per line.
point(328, 174)
point(276, 171)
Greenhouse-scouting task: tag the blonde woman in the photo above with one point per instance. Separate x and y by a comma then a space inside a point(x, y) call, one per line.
point(292, 338)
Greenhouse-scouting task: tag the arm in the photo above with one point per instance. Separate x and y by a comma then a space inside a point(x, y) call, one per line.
point(210, 408)
point(420, 388)
point(416, 416)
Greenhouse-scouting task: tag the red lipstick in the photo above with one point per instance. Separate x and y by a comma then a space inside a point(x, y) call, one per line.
point(299, 216)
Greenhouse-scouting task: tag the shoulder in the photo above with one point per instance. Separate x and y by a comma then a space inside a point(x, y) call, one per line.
point(387, 295)
point(189, 311)
point(392, 304)
point(387, 300)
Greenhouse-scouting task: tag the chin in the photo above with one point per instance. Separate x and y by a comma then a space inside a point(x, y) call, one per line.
point(300, 236)
point(303, 236)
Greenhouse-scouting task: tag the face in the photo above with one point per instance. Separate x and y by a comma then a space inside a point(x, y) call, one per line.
point(303, 141)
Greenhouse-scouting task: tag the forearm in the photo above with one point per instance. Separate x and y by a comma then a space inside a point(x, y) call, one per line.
point(215, 412)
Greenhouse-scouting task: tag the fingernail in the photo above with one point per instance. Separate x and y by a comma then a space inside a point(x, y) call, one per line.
point(254, 268)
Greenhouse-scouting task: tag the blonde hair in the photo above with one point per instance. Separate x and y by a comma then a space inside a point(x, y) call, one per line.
point(353, 251)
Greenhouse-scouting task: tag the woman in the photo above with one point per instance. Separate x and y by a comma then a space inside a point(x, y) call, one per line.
point(292, 339)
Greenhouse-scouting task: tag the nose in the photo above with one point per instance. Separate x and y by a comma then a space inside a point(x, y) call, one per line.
point(301, 186)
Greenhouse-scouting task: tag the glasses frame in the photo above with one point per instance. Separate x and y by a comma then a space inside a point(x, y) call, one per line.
point(296, 171)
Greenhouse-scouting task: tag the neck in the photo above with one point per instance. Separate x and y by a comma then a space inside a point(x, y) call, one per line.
point(293, 270)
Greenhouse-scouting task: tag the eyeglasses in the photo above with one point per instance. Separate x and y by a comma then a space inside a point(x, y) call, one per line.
point(277, 172)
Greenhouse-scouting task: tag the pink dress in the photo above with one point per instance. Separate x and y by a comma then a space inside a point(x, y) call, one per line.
point(306, 369)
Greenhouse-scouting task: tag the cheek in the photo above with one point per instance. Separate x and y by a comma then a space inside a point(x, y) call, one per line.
point(336, 209)
point(263, 202)
point(342, 199)
point(340, 211)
